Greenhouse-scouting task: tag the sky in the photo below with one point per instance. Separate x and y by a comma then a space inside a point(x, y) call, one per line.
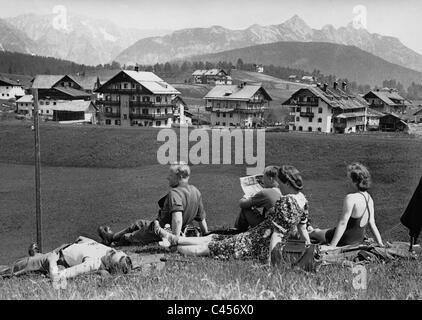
point(401, 19)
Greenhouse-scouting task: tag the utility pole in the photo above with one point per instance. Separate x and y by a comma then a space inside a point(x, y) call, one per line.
point(37, 170)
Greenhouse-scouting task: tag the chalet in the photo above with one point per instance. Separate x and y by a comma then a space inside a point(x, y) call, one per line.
point(10, 89)
point(308, 79)
point(181, 114)
point(240, 105)
point(137, 98)
point(392, 122)
point(25, 105)
point(58, 87)
point(386, 100)
point(259, 68)
point(418, 116)
point(324, 109)
point(212, 76)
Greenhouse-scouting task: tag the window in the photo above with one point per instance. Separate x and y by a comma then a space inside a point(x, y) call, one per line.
point(108, 121)
point(300, 128)
point(145, 99)
point(320, 120)
point(144, 111)
point(319, 130)
point(117, 122)
point(166, 121)
point(158, 99)
point(108, 110)
point(231, 115)
point(310, 119)
point(218, 114)
point(310, 129)
point(158, 123)
point(47, 103)
point(165, 111)
point(54, 103)
point(125, 85)
point(294, 128)
point(224, 115)
point(47, 111)
point(158, 110)
point(319, 110)
point(125, 116)
point(224, 124)
point(297, 118)
point(41, 102)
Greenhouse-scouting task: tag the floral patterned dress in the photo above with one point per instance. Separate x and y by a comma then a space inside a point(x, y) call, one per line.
point(254, 243)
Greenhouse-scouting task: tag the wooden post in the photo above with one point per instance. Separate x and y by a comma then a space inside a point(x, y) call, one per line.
point(37, 171)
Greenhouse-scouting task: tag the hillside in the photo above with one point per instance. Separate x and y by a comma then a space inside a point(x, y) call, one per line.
point(195, 41)
point(344, 61)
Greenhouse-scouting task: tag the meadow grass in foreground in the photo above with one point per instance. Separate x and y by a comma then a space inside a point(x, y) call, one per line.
point(206, 278)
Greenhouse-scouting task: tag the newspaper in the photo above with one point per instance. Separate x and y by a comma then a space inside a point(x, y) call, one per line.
point(251, 185)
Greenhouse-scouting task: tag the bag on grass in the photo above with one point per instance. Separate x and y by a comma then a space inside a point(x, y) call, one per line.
point(296, 254)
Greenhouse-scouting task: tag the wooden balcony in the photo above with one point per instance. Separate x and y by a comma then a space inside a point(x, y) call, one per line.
point(150, 116)
point(109, 102)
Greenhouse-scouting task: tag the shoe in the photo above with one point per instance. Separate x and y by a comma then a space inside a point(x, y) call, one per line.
point(106, 235)
point(33, 249)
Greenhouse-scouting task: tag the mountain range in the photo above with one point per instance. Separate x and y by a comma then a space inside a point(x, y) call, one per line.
point(82, 39)
point(329, 58)
point(196, 41)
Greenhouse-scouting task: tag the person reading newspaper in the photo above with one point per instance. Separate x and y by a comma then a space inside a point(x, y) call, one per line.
point(261, 194)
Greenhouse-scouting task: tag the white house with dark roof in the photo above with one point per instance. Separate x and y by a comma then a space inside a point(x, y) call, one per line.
point(212, 76)
point(137, 98)
point(10, 89)
point(25, 105)
point(386, 100)
point(323, 109)
point(237, 105)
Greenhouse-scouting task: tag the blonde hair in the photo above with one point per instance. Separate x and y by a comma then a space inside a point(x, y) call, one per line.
point(181, 169)
point(360, 175)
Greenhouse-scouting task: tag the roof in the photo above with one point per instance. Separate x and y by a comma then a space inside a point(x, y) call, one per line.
point(8, 81)
point(46, 81)
point(179, 98)
point(148, 80)
point(235, 92)
point(73, 105)
point(86, 82)
point(418, 112)
point(214, 72)
point(386, 95)
point(73, 92)
point(28, 98)
point(335, 98)
point(199, 72)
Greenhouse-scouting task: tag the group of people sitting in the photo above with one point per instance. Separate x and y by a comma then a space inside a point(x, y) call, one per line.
point(269, 218)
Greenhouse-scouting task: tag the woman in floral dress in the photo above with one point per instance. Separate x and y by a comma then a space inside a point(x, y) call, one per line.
point(288, 213)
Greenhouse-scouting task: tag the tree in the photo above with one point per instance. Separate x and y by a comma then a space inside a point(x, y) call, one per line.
point(239, 64)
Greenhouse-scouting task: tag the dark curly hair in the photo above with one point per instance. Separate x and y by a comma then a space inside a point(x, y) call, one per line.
point(360, 176)
point(289, 174)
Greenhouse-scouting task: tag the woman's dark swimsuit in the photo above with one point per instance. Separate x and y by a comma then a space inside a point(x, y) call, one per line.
point(354, 233)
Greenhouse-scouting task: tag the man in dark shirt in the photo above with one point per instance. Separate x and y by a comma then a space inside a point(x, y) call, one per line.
point(179, 208)
point(253, 209)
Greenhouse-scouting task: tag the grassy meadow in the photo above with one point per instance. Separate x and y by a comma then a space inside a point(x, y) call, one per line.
point(96, 175)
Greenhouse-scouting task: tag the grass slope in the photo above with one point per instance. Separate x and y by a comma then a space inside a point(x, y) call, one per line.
point(97, 175)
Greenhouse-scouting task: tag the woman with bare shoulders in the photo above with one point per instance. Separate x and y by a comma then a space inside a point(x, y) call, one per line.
point(358, 212)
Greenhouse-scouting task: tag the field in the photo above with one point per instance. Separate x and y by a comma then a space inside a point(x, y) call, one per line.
point(96, 175)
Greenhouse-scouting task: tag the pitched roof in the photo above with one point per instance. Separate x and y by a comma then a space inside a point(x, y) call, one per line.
point(86, 82)
point(386, 96)
point(28, 98)
point(73, 92)
point(199, 72)
point(149, 80)
point(73, 105)
point(418, 112)
point(46, 81)
point(335, 98)
point(235, 92)
point(214, 72)
point(8, 81)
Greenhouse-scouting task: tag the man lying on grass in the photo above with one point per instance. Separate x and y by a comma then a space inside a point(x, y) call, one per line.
point(179, 208)
point(80, 257)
